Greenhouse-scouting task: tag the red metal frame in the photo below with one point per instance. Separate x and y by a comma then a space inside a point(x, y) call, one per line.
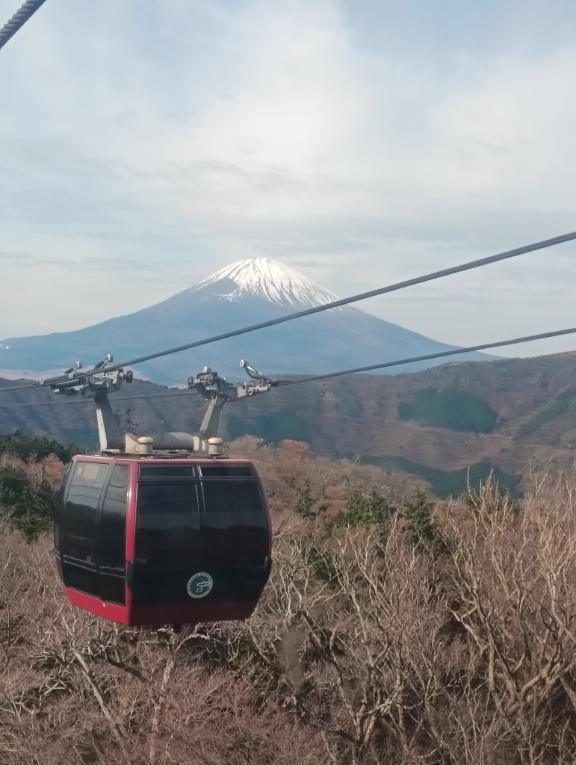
point(161, 614)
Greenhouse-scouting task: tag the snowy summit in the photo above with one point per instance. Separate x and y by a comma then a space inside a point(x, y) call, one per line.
point(268, 279)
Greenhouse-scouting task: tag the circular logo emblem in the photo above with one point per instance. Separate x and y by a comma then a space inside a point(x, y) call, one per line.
point(199, 585)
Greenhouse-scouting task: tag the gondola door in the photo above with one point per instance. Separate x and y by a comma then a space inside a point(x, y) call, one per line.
point(235, 535)
point(167, 542)
point(77, 522)
point(91, 537)
point(111, 538)
point(201, 543)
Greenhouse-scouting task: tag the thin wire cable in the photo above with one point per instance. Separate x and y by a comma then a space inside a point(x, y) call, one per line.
point(70, 401)
point(470, 265)
point(356, 298)
point(21, 387)
point(341, 373)
point(17, 21)
point(431, 356)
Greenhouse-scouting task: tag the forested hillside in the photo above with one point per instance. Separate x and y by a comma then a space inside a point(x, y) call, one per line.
point(439, 426)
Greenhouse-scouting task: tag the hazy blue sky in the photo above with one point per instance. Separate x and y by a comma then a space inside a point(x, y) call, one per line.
point(146, 143)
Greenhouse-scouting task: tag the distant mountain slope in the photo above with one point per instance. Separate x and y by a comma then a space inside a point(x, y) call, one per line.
point(244, 293)
point(509, 415)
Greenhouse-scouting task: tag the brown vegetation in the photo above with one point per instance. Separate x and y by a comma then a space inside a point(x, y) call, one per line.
point(376, 642)
point(285, 470)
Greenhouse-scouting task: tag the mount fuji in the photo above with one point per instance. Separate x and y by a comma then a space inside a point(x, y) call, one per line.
point(246, 292)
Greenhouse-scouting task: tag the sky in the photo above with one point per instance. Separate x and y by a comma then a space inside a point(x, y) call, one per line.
point(146, 143)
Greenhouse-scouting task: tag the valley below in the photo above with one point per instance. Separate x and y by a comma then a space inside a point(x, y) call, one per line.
point(444, 426)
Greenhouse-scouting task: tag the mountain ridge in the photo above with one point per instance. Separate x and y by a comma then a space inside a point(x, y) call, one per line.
point(244, 293)
point(510, 415)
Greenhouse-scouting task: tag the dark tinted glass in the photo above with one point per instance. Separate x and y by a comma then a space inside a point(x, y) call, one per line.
point(60, 507)
point(226, 471)
point(112, 538)
point(91, 474)
point(166, 471)
point(79, 524)
point(234, 523)
point(80, 510)
point(167, 520)
point(167, 540)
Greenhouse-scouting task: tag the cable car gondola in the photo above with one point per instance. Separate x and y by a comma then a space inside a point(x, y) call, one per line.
point(151, 541)
point(153, 537)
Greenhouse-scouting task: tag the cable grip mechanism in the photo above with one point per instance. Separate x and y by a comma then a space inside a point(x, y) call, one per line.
point(94, 380)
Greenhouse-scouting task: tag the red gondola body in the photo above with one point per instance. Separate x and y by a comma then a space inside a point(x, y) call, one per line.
point(163, 539)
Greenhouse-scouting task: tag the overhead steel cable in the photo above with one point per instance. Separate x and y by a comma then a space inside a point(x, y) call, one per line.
point(17, 21)
point(21, 387)
point(432, 356)
point(469, 266)
point(69, 400)
point(329, 375)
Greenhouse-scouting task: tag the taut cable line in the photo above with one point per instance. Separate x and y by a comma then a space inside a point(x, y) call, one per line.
point(68, 401)
point(432, 356)
point(469, 266)
point(341, 373)
point(21, 387)
point(17, 21)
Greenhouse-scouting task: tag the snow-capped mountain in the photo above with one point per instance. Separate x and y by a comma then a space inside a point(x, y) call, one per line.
point(244, 293)
point(268, 279)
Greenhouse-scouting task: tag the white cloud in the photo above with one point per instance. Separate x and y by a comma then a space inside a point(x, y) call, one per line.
point(181, 135)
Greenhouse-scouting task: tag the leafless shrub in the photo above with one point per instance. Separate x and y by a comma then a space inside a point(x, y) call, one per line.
point(512, 577)
point(366, 648)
